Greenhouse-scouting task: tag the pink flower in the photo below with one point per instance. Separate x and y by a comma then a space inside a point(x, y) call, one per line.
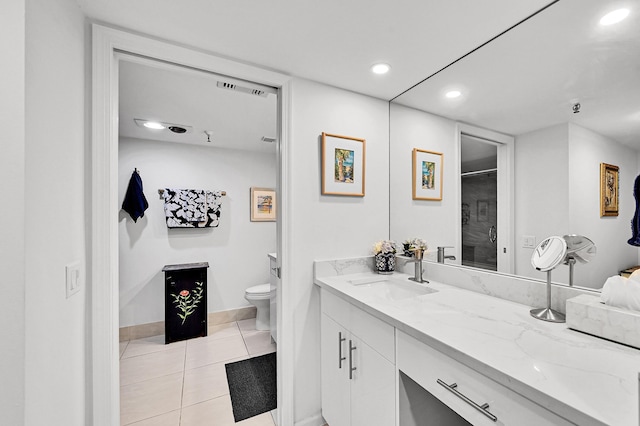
point(184, 293)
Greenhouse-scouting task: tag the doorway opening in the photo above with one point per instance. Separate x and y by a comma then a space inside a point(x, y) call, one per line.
point(479, 208)
point(108, 43)
point(216, 136)
point(485, 196)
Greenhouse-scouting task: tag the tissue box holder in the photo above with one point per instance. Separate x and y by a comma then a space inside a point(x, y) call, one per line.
point(587, 314)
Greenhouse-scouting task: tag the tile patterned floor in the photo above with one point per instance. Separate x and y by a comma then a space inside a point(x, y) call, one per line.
point(185, 383)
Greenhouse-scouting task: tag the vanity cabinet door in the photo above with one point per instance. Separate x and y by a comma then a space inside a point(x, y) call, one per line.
point(373, 387)
point(334, 373)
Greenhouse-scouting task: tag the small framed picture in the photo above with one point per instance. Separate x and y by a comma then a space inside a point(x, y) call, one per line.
point(263, 205)
point(427, 175)
point(608, 190)
point(343, 162)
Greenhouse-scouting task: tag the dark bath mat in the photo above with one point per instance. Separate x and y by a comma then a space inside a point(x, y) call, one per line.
point(252, 385)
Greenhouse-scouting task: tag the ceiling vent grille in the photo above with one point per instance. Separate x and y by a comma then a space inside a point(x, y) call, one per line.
point(236, 88)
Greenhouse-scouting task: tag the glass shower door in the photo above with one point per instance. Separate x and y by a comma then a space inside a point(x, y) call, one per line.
point(479, 220)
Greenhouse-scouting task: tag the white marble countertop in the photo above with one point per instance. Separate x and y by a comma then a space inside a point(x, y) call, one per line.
point(589, 381)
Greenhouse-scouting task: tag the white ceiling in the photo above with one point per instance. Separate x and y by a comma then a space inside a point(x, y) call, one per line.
point(523, 80)
point(529, 78)
point(155, 91)
point(330, 41)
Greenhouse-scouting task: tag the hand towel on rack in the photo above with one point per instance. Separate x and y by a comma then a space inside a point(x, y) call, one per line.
point(214, 202)
point(185, 208)
point(135, 203)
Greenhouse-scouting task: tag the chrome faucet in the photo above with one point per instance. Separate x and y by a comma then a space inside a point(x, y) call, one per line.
point(417, 276)
point(442, 257)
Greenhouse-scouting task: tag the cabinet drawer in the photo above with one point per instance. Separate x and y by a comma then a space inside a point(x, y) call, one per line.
point(426, 366)
point(371, 330)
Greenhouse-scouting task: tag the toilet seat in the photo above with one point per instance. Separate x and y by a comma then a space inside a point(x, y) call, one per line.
point(258, 292)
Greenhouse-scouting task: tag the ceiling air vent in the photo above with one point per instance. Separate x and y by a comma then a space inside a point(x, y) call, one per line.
point(236, 88)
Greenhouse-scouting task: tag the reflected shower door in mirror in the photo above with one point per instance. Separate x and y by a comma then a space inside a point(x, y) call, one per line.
point(479, 209)
point(527, 83)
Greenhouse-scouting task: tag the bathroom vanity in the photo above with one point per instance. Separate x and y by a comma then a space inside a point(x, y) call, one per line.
point(400, 353)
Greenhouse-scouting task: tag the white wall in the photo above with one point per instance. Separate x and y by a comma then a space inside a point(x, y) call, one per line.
point(12, 248)
point(541, 193)
point(558, 192)
point(587, 150)
point(326, 227)
point(55, 212)
point(236, 250)
point(433, 221)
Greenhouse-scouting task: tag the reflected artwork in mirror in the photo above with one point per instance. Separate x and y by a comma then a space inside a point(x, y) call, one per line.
point(526, 84)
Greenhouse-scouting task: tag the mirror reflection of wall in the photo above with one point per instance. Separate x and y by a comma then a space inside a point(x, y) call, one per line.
point(526, 84)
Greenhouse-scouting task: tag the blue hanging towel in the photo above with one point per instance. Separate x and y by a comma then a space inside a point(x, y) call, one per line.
point(135, 203)
point(635, 222)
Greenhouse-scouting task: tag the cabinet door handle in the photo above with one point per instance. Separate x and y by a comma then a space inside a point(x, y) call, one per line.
point(484, 408)
point(351, 367)
point(340, 357)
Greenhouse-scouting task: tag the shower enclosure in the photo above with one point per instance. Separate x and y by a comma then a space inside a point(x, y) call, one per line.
point(479, 192)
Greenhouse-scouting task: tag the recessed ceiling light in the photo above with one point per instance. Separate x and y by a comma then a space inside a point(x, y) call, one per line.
point(380, 68)
point(614, 17)
point(153, 125)
point(452, 94)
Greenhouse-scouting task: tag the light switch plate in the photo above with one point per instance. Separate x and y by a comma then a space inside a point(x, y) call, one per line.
point(529, 241)
point(73, 272)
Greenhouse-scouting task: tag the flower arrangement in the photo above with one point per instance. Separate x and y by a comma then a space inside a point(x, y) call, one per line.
point(413, 244)
point(385, 256)
point(384, 247)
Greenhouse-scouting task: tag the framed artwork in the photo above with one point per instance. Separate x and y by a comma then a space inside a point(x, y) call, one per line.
point(343, 162)
point(608, 190)
point(427, 175)
point(263, 205)
point(482, 210)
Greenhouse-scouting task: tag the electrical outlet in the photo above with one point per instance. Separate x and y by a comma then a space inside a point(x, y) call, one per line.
point(528, 241)
point(73, 272)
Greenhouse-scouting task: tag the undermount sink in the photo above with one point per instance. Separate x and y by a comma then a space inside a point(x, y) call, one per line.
point(391, 287)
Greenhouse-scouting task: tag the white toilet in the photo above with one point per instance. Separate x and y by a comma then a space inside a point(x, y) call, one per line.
point(259, 296)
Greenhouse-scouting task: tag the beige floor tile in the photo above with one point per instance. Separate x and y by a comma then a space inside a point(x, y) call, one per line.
point(218, 411)
point(264, 419)
point(123, 347)
point(213, 351)
point(204, 383)
point(150, 398)
point(149, 366)
point(149, 345)
point(215, 332)
point(247, 325)
point(259, 342)
point(169, 419)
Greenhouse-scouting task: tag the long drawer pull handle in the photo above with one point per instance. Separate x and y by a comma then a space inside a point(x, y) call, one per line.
point(484, 408)
point(351, 367)
point(340, 357)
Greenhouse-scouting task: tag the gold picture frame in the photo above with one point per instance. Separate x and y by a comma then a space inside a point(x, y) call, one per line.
point(343, 164)
point(609, 190)
point(263, 205)
point(427, 175)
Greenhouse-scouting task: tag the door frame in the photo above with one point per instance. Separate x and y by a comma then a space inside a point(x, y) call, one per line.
point(103, 396)
point(505, 241)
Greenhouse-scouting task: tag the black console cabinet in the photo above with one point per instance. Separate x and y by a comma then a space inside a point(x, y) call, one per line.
point(185, 301)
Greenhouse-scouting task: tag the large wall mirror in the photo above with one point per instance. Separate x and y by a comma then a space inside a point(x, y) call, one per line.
point(566, 89)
